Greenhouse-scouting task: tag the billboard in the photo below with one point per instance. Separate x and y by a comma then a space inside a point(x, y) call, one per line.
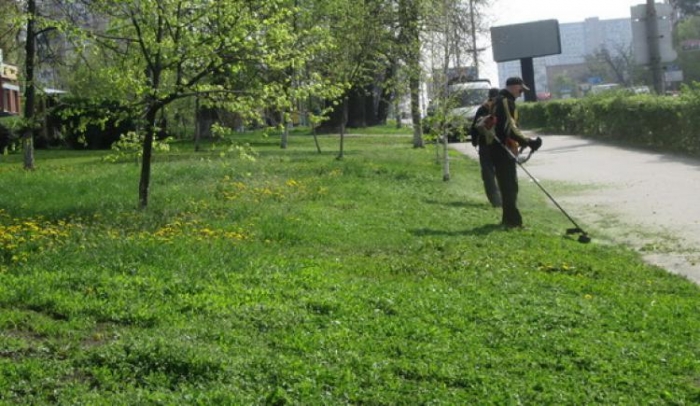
point(527, 40)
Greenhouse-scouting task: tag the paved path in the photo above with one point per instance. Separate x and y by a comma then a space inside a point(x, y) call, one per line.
point(650, 201)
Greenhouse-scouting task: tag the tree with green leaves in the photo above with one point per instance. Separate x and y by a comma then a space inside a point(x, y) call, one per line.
point(409, 40)
point(167, 50)
point(351, 63)
point(450, 27)
point(688, 56)
point(10, 28)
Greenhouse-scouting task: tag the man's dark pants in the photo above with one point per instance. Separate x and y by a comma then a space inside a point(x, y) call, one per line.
point(507, 177)
point(488, 175)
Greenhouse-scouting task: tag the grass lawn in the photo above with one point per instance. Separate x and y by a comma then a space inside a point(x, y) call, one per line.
point(298, 278)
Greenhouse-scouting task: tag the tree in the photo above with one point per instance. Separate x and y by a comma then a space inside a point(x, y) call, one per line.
point(450, 28)
point(687, 7)
point(565, 86)
point(616, 65)
point(688, 56)
point(30, 87)
point(409, 39)
point(9, 30)
point(299, 83)
point(167, 50)
point(351, 62)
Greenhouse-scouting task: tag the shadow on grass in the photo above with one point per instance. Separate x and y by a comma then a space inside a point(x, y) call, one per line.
point(479, 231)
point(461, 204)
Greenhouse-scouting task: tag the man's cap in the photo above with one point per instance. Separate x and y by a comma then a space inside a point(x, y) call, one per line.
point(516, 80)
point(493, 92)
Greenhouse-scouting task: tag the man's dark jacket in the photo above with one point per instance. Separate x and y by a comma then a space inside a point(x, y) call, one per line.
point(506, 120)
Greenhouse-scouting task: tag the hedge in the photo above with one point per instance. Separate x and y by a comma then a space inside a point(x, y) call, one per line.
point(662, 123)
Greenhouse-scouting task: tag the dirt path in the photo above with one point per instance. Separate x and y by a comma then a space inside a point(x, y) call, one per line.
point(647, 200)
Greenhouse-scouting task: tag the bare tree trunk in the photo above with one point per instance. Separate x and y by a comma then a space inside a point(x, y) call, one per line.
point(30, 89)
point(145, 180)
point(197, 131)
point(415, 111)
point(343, 120)
point(445, 132)
point(312, 122)
point(313, 130)
point(397, 111)
point(285, 131)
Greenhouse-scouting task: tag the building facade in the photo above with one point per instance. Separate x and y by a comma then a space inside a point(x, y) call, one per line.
point(9, 89)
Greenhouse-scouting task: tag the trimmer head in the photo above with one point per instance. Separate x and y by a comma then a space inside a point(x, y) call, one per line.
point(583, 238)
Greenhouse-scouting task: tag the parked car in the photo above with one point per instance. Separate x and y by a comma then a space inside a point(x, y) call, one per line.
point(463, 100)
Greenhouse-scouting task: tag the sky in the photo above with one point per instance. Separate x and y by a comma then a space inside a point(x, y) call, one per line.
point(506, 12)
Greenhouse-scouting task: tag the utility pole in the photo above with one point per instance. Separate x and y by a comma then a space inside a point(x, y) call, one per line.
point(654, 51)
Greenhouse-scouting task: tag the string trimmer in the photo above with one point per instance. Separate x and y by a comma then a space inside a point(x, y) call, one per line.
point(583, 236)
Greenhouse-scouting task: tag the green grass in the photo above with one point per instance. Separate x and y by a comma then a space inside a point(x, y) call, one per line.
point(303, 279)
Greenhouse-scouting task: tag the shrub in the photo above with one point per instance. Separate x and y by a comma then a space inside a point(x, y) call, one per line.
point(660, 122)
point(8, 134)
point(129, 147)
point(92, 124)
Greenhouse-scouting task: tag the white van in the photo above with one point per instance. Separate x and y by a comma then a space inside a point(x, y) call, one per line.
point(597, 89)
point(465, 99)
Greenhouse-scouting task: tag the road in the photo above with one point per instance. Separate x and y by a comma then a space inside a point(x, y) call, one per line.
point(649, 201)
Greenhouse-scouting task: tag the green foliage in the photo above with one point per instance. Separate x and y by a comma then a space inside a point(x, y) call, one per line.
point(688, 59)
point(565, 86)
point(10, 27)
point(302, 279)
point(659, 122)
point(9, 138)
point(240, 150)
point(687, 7)
point(129, 147)
point(231, 54)
point(443, 120)
point(93, 123)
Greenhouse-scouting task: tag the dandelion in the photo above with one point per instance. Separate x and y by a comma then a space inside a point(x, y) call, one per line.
point(206, 232)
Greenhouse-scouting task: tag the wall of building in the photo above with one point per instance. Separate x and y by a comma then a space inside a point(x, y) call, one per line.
point(9, 90)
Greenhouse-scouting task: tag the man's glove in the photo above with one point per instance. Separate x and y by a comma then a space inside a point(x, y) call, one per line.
point(534, 143)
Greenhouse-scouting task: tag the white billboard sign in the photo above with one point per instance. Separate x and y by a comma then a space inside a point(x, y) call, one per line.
point(527, 40)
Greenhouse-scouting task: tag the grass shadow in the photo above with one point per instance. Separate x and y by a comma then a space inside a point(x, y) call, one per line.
point(460, 204)
point(478, 231)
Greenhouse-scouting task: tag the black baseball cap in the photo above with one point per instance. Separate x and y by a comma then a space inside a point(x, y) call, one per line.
point(516, 80)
